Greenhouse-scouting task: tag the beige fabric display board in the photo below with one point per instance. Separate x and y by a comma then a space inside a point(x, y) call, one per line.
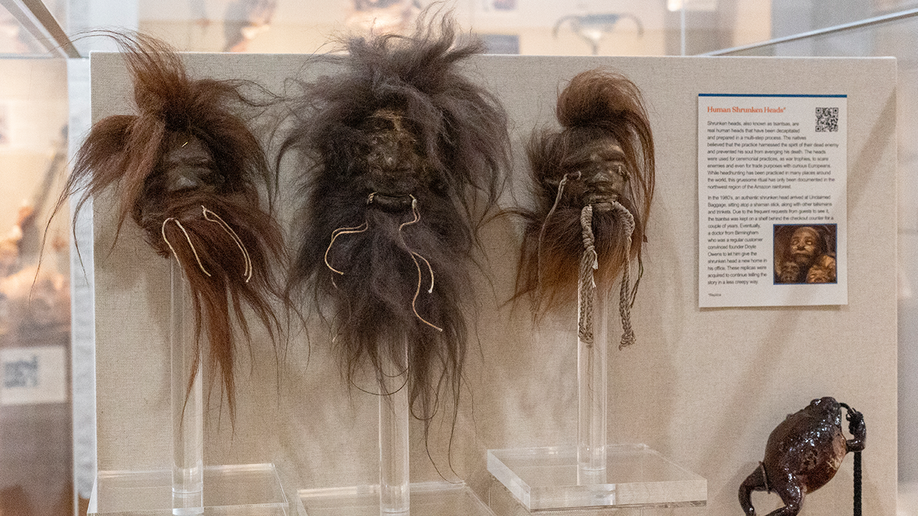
point(704, 387)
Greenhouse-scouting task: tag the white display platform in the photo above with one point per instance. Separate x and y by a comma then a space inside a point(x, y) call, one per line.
point(636, 476)
point(248, 489)
point(427, 499)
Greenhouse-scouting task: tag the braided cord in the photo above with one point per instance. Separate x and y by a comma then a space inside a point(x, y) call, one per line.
point(857, 483)
point(625, 295)
point(586, 286)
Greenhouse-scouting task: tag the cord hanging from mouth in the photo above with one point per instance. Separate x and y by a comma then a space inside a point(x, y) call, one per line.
point(247, 259)
point(586, 287)
point(415, 256)
point(343, 231)
point(587, 284)
point(551, 212)
point(626, 295)
point(187, 237)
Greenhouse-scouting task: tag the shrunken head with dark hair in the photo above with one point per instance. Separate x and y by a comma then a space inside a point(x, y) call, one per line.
point(407, 155)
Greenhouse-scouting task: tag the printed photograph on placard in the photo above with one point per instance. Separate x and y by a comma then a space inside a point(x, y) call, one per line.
point(805, 253)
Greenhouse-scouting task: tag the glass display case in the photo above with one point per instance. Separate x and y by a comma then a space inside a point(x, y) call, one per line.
point(47, 394)
point(36, 476)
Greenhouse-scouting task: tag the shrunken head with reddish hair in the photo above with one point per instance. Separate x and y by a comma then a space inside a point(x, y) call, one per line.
point(188, 171)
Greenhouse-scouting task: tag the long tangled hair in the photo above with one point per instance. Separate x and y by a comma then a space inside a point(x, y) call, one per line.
point(187, 170)
point(597, 108)
point(407, 155)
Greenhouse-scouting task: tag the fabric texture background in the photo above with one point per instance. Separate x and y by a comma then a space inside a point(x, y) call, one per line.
point(702, 387)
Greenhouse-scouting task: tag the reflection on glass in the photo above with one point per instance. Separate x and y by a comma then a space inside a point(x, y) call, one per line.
point(14, 39)
point(36, 473)
point(246, 19)
point(381, 16)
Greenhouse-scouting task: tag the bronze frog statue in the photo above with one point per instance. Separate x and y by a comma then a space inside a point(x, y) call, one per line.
point(803, 454)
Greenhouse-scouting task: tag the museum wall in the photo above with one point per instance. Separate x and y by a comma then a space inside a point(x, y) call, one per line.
point(704, 387)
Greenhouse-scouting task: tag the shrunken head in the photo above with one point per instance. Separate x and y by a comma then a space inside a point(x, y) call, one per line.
point(596, 174)
point(602, 157)
point(188, 171)
point(805, 245)
point(407, 157)
point(392, 165)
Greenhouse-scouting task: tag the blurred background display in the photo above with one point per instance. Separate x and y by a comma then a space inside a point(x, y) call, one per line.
point(36, 471)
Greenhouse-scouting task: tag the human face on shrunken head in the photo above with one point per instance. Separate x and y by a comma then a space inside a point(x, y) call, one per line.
point(189, 165)
point(395, 168)
point(603, 173)
point(804, 246)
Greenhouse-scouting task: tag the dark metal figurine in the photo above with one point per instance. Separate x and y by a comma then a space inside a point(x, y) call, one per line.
point(803, 454)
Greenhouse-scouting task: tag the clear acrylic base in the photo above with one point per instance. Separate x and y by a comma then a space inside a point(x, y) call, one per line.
point(545, 479)
point(505, 504)
point(427, 499)
point(247, 489)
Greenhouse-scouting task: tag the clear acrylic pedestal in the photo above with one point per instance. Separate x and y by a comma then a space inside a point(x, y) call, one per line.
point(189, 488)
point(427, 499)
point(249, 490)
point(592, 477)
point(394, 495)
point(545, 479)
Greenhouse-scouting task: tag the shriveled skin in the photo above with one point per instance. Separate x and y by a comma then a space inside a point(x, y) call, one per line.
point(803, 453)
point(807, 447)
point(599, 174)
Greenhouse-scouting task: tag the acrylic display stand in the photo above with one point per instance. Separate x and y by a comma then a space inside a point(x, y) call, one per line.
point(248, 489)
point(545, 479)
point(394, 495)
point(189, 488)
point(592, 476)
point(427, 499)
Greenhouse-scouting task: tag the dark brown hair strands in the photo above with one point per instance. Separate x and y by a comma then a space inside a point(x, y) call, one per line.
point(188, 171)
point(408, 156)
point(596, 105)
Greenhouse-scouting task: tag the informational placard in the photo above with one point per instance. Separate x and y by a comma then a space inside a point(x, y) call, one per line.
point(772, 191)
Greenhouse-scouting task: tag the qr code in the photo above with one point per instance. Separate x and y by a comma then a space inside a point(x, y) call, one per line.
point(826, 119)
point(21, 374)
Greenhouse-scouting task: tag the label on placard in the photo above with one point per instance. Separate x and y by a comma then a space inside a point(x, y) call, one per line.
point(772, 192)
